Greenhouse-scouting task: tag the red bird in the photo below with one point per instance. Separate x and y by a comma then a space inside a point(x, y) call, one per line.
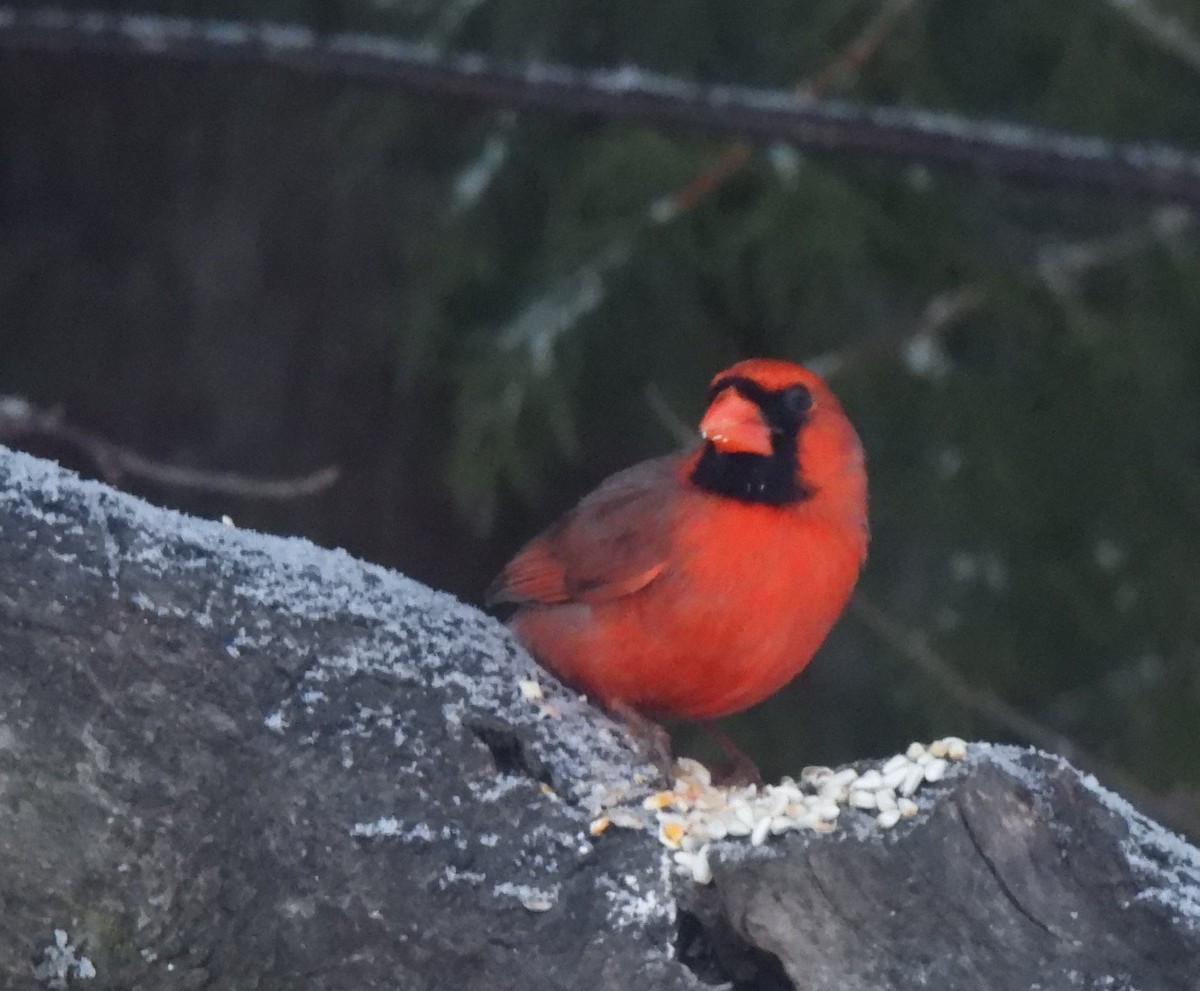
point(698, 584)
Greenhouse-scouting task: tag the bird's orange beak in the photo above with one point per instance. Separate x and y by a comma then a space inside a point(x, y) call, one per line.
point(735, 425)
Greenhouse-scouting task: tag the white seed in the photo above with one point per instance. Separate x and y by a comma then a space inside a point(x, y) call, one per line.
point(870, 780)
point(685, 862)
point(935, 770)
point(671, 831)
point(773, 803)
point(814, 775)
point(860, 798)
point(845, 777)
point(745, 813)
point(888, 819)
point(912, 780)
point(809, 820)
point(692, 771)
point(531, 690)
point(659, 800)
point(782, 824)
point(627, 819)
point(835, 789)
point(694, 813)
point(741, 797)
point(791, 797)
point(735, 826)
point(827, 810)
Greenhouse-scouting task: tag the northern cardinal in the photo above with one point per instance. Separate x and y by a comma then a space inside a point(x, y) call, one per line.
point(698, 584)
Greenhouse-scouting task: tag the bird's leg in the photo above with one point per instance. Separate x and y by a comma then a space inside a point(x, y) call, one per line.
point(650, 738)
point(740, 770)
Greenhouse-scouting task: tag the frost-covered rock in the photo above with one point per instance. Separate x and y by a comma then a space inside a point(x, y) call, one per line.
point(1021, 874)
point(230, 760)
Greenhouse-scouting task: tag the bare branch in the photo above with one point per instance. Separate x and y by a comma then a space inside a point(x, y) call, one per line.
point(1062, 266)
point(626, 94)
point(914, 647)
point(674, 424)
point(849, 60)
point(920, 348)
point(1166, 31)
point(861, 50)
point(19, 418)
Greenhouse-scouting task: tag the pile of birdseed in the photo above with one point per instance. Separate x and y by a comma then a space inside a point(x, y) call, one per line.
point(694, 813)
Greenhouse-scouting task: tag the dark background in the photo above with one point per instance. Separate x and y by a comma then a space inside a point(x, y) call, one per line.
point(237, 270)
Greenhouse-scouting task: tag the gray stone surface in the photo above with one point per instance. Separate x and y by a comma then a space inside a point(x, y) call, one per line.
point(1021, 875)
point(237, 761)
point(230, 760)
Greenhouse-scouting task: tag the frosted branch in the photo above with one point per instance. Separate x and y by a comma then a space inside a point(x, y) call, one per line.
point(19, 419)
point(629, 94)
point(1166, 31)
point(914, 647)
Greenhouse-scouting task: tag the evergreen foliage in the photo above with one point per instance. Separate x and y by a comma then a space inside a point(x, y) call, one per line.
point(1035, 455)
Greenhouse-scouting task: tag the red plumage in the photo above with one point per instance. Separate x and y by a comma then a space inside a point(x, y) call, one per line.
point(698, 584)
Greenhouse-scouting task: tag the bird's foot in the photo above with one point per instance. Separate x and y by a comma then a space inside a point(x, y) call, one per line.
point(739, 768)
point(651, 739)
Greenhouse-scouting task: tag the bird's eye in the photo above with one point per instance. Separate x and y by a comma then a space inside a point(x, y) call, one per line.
point(797, 399)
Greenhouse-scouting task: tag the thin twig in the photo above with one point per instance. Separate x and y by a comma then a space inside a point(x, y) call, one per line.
point(942, 312)
point(1061, 266)
point(625, 94)
point(860, 51)
point(850, 59)
point(665, 414)
point(18, 418)
point(920, 347)
point(914, 647)
point(1165, 30)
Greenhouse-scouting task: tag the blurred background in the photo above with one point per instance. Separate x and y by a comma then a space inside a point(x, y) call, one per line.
point(420, 328)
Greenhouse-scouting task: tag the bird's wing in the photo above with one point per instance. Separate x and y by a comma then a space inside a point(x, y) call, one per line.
point(615, 542)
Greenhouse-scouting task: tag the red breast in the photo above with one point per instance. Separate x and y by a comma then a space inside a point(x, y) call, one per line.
point(699, 584)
